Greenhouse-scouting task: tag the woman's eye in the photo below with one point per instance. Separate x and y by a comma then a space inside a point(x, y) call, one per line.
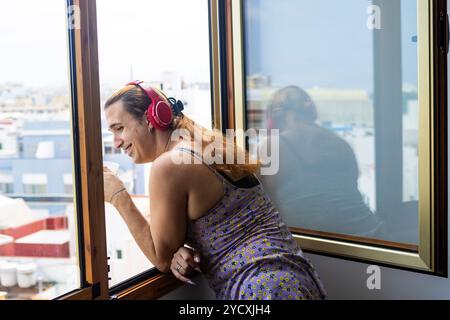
point(119, 129)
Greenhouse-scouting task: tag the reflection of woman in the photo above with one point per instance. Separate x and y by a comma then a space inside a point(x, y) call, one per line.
point(222, 211)
point(316, 187)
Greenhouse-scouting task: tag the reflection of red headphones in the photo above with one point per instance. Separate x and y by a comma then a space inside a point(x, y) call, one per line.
point(273, 118)
point(160, 112)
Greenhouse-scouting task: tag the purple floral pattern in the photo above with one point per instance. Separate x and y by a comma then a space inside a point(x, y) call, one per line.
point(248, 253)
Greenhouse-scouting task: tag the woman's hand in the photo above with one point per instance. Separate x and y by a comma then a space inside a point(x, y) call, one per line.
point(184, 261)
point(112, 185)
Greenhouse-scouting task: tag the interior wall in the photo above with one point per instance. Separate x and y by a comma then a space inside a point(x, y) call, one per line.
point(199, 291)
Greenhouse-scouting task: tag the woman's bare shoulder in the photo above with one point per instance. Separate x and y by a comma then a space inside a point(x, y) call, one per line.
point(171, 166)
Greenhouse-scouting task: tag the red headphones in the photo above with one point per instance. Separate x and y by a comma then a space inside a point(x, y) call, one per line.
point(161, 111)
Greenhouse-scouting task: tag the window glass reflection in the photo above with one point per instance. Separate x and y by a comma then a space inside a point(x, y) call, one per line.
point(342, 89)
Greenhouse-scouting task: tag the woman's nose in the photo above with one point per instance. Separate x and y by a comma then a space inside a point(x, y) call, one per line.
point(117, 142)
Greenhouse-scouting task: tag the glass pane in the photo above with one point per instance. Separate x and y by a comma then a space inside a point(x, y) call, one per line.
point(340, 82)
point(38, 231)
point(147, 45)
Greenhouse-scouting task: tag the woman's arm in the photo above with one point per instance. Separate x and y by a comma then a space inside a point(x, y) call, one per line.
point(139, 228)
point(160, 238)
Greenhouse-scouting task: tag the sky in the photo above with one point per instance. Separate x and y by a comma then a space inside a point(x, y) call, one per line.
point(33, 46)
point(324, 43)
point(152, 36)
point(308, 43)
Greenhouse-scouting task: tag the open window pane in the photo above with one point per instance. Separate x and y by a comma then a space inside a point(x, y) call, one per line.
point(38, 231)
point(149, 44)
point(341, 84)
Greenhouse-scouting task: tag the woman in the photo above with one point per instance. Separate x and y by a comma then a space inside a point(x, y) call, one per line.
point(220, 210)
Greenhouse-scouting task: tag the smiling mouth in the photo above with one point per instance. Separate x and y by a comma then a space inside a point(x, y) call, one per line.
point(128, 149)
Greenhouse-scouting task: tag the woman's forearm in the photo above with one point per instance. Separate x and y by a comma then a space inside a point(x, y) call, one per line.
point(139, 228)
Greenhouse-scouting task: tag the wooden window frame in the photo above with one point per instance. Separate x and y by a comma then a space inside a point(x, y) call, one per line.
point(431, 257)
point(88, 164)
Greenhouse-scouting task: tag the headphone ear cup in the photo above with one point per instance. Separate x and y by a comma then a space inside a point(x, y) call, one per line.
point(180, 105)
point(177, 106)
point(159, 112)
point(160, 115)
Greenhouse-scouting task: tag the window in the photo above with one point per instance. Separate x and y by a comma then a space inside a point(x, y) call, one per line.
point(6, 183)
point(38, 234)
point(45, 150)
point(34, 183)
point(35, 189)
point(178, 64)
point(109, 147)
point(353, 115)
point(331, 108)
point(6, 188)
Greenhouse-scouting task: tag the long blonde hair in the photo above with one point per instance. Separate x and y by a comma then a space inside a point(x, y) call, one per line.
point(136, 103)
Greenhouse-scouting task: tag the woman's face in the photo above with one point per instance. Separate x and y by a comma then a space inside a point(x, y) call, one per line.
point(130, 135)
